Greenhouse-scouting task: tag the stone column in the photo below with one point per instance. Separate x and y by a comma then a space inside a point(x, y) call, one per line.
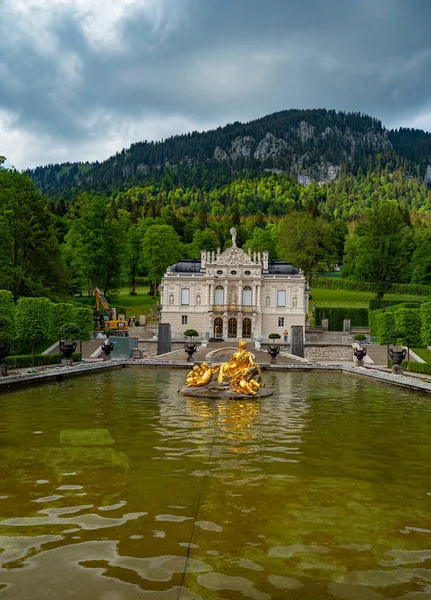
point(164, 338)
point(297, 340)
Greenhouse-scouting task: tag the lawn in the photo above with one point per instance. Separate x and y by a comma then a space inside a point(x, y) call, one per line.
point(424, 353)
point(141, 304)
point(324, 297)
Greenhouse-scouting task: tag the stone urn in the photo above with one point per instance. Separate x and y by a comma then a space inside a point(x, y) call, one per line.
point(359, 355)
point(190, 349)
point(4, 351)
point(107, 348)
point(273, 351)
point(397, 357)
point(67, 349)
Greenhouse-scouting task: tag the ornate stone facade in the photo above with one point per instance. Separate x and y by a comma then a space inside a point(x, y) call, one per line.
point(233, 294)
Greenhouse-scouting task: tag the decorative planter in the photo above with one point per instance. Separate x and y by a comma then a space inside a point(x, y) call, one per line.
point(359, 355)
point(107, 348)
point(4, 351)
point(273, 351)
point(67, 349)
point(190, 349)
point(397, 356)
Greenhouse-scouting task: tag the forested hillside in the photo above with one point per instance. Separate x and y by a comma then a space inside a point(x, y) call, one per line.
point(308, 145)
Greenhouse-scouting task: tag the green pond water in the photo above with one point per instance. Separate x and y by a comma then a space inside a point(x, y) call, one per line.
point(115, 487)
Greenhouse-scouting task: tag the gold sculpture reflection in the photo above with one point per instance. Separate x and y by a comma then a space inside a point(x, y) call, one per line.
point(200, 375)
point(241, 370)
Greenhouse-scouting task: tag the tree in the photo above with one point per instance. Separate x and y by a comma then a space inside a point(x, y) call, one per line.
point(425, 313)
point(305, 241)
point(83, 317)
point(161, 247)
point(263, 239)
point(421, 258)
point(32, 320)
point(96, 243)
point(61, 314)
point(30, 255)
point(408, 322)
point(7, 317)
point(375, 251)
point(204, 240)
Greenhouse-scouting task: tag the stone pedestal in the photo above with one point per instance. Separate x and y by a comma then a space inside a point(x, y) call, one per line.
point(67, 362)
point(346, 325)
point(3, 370)
point(359, 363)
point(297, 341)
point(325, 324)
point(397, 369)
point(164, 339)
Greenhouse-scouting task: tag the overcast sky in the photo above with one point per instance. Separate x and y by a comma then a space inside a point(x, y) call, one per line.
point(81, 79)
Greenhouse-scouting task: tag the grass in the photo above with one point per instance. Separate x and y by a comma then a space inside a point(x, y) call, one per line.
point(346, 298)
point(424, 353)
point(141, 304)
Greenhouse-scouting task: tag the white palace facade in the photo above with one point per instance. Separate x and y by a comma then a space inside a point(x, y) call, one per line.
point(233, 294)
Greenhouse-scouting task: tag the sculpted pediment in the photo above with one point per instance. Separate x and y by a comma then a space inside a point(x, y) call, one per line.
point(234, 256)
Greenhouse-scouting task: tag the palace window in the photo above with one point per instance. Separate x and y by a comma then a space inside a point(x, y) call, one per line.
point(247, 272)
point(246, 296)
point(219, 295)
point(185, 295)
point(280, 321)
point(281, 298)
point(184, 320)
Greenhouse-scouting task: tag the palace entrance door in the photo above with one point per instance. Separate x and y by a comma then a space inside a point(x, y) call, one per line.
point(231, 328)
point(246, 328)
point(218, 327)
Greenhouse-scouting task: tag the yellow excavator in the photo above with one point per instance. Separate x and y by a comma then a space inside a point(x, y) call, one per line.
point(110, 320)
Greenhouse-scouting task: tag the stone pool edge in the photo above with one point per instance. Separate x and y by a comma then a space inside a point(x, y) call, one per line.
point(10, 382)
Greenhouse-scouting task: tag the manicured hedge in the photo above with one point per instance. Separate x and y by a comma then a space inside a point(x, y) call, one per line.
point(377, 304)
point(338, 283)
point(38, 360)
point(417, 367)
point(336, 315)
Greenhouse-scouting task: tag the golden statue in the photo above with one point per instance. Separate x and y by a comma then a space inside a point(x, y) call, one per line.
point(200, 375)
point(241, 371)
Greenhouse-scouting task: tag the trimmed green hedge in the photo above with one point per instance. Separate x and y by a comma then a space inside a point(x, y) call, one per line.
point(417, 367)
point(377, 304)
point(336, 315)
point(38, 360)
point(338, 283)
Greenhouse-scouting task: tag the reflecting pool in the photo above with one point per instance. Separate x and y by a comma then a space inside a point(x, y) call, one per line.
point(115, 487)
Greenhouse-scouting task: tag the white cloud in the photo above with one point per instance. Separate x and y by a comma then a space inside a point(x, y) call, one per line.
point(28, 150)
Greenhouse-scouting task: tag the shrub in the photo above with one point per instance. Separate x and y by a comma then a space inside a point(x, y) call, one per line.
point(339, 283)
point(408, 321)
point(38, 360)
point(274, 336)
point(69, 331)
point(191, 333)
point(360, 337)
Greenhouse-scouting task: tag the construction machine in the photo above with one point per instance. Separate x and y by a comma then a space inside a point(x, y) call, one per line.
point(108, 321)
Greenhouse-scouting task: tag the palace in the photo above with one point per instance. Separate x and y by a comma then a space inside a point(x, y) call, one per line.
point(233, 294)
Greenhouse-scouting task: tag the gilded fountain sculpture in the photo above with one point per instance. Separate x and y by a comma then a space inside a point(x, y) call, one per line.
point(239, 376)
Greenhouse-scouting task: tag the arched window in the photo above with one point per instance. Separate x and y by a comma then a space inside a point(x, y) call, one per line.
point(246, 296)
point(219, 295)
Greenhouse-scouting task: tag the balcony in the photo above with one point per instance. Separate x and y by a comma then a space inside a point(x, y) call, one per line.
point(233, 308)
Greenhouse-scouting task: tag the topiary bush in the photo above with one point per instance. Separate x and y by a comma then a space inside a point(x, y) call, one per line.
point(191, 333)
point(274, 336)
point(360, 337)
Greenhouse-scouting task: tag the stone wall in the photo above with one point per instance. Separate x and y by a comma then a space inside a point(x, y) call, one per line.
point(328, 352)
point(149, 347)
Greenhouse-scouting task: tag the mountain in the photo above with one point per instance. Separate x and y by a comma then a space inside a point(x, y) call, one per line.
point(309, 145)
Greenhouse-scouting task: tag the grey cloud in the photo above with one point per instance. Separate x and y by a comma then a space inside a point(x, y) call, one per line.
point(218, 61)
